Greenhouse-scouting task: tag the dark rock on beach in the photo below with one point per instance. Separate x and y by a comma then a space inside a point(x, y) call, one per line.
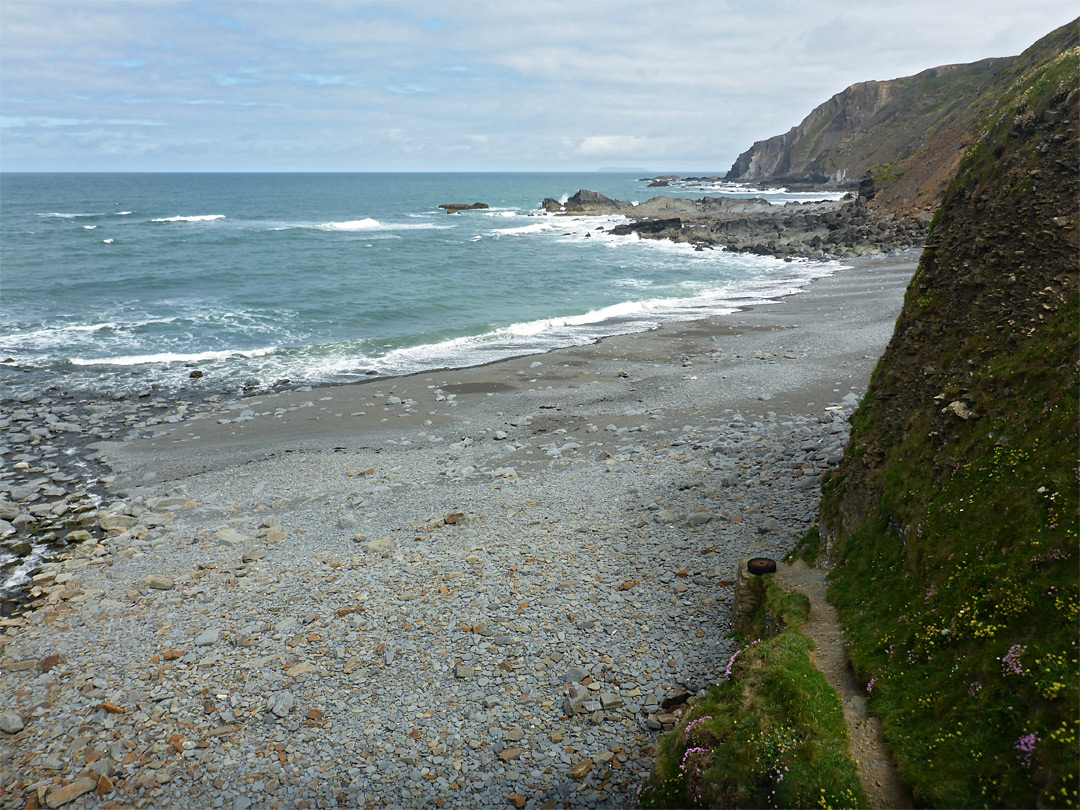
point(814, 230)
point(648, 226)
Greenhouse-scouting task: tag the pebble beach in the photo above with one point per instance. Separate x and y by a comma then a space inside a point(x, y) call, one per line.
point(481, 587)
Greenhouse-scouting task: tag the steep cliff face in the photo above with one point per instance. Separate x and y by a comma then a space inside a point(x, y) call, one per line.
point(814, 150)
point(952, 520)
point(908, 134)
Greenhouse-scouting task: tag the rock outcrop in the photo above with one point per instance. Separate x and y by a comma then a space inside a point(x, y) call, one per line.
point(457, 208)
point(815, 230)
point(907, 134)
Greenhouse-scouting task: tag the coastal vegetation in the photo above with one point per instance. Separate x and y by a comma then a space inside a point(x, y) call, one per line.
point(952, 520)
point(772, 734)
point(951, 523)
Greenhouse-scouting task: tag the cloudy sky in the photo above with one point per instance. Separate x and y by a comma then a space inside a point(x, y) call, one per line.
point(518, 85)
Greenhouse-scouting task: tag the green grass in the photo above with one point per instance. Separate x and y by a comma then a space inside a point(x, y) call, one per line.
point(771, 735)
point(959, 590)
point(969, 623)
point(806, 549)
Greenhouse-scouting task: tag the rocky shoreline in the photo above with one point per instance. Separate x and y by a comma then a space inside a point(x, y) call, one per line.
point(55, 483)
point(818, 230)
point(479, 587)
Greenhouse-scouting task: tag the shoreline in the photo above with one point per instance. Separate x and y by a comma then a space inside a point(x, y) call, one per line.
point(81, 426)
point(519, 375)
point(505, 605)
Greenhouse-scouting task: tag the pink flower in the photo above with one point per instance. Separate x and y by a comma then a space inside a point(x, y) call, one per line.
point(1026, 746)
point(690, 752)
point(1010, 663)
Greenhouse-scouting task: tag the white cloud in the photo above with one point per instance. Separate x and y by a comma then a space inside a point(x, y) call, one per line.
point(468, 85)
point(617, 146)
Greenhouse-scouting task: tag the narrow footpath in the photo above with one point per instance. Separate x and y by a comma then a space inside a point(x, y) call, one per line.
point(876, 769)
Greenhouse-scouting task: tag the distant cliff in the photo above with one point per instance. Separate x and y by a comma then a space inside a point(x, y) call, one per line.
point(907, 134)
point(952, 519)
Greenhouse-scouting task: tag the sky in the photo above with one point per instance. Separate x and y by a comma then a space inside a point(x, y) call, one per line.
point(456, 85)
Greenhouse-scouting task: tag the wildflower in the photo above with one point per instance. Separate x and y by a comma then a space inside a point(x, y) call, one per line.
point(692, 723)
point(731, 661)
point(690, 752)
point(1010, 663)
point(1026, 746)
point(870, 685)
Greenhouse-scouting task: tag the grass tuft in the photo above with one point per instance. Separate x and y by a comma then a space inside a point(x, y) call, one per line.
point(771, 734)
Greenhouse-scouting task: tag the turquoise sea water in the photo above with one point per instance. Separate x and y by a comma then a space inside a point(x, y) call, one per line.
point(118, 282)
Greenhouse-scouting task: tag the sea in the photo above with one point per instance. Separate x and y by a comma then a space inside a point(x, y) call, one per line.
point(123, 283)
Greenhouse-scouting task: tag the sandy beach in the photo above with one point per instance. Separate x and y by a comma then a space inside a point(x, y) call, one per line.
point(482, 587)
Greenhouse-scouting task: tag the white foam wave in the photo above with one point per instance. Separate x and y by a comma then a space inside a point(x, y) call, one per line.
point(123, 213)
point(107, 241)
point(57, 215)
point(369, 224)
point(55, 335)
point(536, 227)
point(352, 225)
point(170, 357)
point(89, 227)
point(775, 196)
point(197, 218)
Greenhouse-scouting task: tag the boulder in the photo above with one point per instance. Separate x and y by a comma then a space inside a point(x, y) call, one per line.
point(650, 226)
point(11, 723)
point(453, 208)
point(58, 797)
point(384, 546)
point(592, 202)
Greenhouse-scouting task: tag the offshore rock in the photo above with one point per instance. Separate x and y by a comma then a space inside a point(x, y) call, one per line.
point(453, 208)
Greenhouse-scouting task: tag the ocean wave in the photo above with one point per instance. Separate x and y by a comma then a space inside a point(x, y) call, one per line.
point(53, 335)
point(352, 361)
point(107, 241)
point(171, 357)
point(57, 215)
point(368, 224)
point(65, 335)
point(126, 333)
point(775, 196)
point(536, 227)
point(544, 334)
point(196, 218)
point(351, 225)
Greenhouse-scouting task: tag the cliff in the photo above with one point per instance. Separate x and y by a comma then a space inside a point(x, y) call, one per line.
point(906, 135)
point(952, 519)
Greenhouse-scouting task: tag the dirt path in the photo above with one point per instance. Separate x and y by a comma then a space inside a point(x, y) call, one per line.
point(876, 769)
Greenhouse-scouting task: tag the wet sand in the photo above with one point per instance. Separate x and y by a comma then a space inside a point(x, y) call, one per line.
point(791, 357)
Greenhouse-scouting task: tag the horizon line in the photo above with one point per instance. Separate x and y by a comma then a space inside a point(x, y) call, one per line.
point(652, 174)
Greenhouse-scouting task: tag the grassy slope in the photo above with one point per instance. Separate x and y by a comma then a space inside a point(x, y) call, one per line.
point(918, 177)
point(771, 735)
point(956, 538)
